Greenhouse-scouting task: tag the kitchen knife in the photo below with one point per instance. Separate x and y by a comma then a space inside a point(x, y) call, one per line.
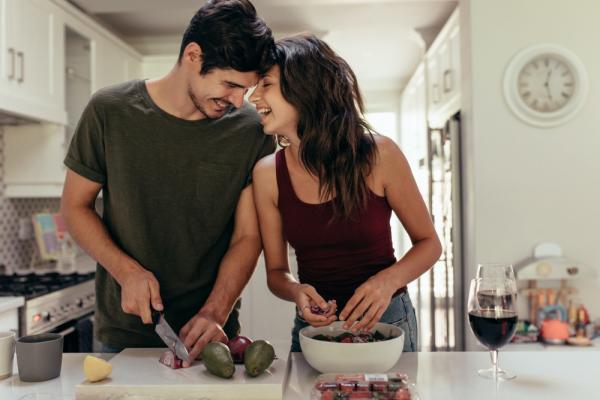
point(166, 333)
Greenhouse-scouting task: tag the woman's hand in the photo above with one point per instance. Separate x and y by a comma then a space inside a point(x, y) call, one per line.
point(369, 302)
point(306, 298)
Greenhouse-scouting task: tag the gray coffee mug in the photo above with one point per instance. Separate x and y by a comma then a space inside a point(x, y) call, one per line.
point(39, 357)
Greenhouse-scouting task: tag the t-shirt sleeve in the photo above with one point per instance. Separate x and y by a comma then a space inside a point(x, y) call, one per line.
point(268, 147)
point(86, 154)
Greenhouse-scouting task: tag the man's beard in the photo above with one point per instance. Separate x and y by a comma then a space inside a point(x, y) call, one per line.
point(202, 109)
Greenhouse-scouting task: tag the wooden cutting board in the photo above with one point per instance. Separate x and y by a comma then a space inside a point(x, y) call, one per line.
point(137, 374)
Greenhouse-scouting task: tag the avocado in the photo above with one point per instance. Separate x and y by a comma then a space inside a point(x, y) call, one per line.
point(217, 359)
point(258, 357)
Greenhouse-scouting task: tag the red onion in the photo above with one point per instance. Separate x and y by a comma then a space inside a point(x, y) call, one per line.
point(327, 311)
point(237, 345)
point(170, 360)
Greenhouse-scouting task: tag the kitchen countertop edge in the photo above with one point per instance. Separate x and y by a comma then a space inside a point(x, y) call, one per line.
point(10, 302)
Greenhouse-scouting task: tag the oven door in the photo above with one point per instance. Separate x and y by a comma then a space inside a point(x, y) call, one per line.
point(78, 334)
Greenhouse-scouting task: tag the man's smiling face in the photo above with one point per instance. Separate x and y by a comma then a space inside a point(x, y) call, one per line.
point(216, 92)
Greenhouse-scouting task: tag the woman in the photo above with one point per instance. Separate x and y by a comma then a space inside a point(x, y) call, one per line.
point(330, 193)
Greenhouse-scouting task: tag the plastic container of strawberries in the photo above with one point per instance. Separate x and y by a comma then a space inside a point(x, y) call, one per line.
point(390, 386)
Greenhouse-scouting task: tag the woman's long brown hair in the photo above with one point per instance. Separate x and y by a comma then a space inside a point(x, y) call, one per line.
point(336, 143)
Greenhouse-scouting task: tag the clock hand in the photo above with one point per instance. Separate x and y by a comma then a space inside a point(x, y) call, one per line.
point(548, 78)
point(547, 85)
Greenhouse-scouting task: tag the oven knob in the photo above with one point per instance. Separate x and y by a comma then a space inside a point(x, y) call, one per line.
point(79, 303)
point(46, 316)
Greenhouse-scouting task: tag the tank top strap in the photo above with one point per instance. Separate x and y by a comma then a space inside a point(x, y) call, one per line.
point(284, 182)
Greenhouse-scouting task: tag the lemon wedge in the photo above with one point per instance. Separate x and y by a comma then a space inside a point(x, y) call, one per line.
point(96, 369)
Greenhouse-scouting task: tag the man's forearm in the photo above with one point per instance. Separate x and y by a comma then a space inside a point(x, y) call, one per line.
point(235, 271)
point(88, 230)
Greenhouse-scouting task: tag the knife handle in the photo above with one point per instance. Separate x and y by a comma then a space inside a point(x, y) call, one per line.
point(155, 316)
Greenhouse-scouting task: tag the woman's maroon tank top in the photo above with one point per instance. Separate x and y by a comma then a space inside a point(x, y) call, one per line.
point(335, 256)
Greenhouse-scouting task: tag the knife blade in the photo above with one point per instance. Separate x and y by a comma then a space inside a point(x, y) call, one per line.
point(169, 337)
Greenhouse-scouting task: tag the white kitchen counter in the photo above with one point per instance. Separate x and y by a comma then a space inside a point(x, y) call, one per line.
point(8, 303)
point(540, 375)
point(551, 347)
point(62, 387)
point(453, 375)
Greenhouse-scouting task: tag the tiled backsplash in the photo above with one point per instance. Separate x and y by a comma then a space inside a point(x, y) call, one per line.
point(15, 253)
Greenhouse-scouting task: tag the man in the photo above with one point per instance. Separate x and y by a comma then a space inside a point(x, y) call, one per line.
point(173, 157)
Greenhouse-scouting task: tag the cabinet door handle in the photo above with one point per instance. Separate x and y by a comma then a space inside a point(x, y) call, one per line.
point(11, 51)
point(447, 80)
point(21, 55)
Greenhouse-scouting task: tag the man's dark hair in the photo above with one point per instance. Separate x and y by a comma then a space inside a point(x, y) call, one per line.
point(231, 35)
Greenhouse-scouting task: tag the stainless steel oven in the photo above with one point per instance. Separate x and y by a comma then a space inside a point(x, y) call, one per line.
point(55, 303)
point(78, 334)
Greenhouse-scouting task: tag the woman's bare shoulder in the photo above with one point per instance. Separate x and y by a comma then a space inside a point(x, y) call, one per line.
point(390, 164)
point(265, 164)
point(389, 155)
point(386, 147)
point(264, 175)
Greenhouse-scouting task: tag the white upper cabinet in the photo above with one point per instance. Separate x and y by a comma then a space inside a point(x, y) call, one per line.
point(431, 96)
point(52, 58)
point(8, 54)
point(413, 130)
point(32, 60)
point(434, 90)
point(444, 56)
point(443, 73)
point(453, 77)
point(32, 57)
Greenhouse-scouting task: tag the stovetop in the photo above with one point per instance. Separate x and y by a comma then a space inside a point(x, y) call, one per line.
point(33, 285)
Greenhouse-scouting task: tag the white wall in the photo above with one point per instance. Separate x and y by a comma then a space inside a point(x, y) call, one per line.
point(157, 66)
point(381, 100)
point(527, 185)
point(263, 315)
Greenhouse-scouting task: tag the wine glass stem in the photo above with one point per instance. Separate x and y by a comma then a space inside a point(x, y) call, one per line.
point(494, 357)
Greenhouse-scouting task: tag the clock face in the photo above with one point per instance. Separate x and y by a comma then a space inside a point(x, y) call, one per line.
point(546, 83)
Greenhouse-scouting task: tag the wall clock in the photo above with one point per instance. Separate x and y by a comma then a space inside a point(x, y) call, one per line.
point(545, 85)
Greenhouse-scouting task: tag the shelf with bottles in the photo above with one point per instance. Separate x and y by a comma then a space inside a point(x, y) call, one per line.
point(556, 314)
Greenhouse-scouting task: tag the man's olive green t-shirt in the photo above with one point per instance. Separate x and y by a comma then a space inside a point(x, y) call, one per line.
point(170, 189)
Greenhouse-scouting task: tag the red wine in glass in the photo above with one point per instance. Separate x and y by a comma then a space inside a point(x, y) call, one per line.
point(493, 329)
point(492, 312)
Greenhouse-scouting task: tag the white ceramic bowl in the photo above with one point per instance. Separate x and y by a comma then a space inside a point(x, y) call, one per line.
point(351, 357)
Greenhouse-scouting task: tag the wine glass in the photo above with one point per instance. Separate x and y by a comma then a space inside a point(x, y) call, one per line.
point(496, 271)
point(492, 312)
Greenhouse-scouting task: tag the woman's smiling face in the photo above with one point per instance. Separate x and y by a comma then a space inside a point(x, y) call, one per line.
point(278, 117)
